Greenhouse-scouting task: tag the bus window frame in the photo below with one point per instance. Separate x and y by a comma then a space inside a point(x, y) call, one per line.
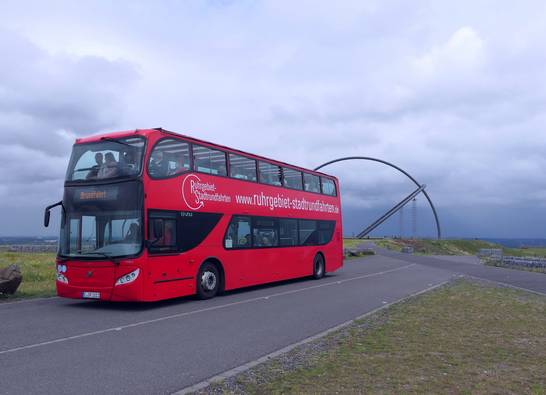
point(253, 247)
point(79, 258)
point(280, 173)
point(228, 153)
point(284, 179)
point(110, 180)
point(275, 227)
point(228, 168)
point(333, 182)
point(149, 243)
point(190, 153)
point(226, 161)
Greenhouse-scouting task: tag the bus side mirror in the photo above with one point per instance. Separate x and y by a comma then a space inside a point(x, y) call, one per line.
point(47, 214)
point(158, 228)
point(46, 217)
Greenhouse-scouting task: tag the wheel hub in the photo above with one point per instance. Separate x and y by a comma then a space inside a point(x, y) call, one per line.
point(319, 268)
point(208, 280)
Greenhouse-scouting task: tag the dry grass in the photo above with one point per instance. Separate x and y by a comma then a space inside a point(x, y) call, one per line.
point(533, 252)
point(351, 243)
point(455, 247)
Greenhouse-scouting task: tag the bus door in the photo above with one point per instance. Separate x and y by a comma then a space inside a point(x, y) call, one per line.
point(267, 263)
point(239, 252)
point(165, 260)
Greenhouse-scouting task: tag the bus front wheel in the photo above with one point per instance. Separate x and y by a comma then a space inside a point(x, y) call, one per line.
point(208, 281)
point(318, 267)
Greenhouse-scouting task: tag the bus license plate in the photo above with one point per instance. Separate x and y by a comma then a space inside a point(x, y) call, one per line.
point(91, 295)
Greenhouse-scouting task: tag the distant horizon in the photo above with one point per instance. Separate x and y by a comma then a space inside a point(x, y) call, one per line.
point(518, 242)
point(344, 236)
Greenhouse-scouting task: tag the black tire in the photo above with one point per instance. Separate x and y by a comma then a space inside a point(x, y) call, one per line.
point(208, 281)
point(319, 268)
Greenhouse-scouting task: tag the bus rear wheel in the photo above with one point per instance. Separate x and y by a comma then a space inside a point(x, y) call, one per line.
point(318, 267)
point(208, 281)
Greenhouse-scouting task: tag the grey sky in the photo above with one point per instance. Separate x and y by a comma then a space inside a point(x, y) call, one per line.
point(455, 93)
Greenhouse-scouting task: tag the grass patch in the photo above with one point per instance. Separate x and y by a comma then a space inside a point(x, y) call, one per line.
point(534, 252)
point(455, 247)
point(38, 271)
point(390, 244)
point(499, 263)
point(351, 243)
point(463, 338)
point(438, 247)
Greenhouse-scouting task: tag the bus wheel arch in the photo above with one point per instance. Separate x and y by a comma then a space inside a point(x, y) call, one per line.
point(319, 265)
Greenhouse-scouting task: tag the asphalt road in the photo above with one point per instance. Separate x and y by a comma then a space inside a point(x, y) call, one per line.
point(67, 346)
point(470, 266)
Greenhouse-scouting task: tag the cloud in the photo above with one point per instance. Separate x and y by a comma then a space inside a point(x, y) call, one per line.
point(46, 100)
point(464, 51)
point(453, 96)
point(43, 94)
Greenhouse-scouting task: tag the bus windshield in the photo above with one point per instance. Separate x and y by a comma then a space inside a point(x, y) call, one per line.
point(107, 159)
point(101, 234)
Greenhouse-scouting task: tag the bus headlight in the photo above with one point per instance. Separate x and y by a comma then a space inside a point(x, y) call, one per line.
point(61, 268)
point(62, 278)
point(128, 278)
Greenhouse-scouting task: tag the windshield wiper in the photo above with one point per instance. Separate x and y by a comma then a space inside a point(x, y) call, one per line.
point(109, 257)
point(116, 141)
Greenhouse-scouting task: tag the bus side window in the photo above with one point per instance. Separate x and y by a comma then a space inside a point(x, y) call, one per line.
point(165, 242)
point(238, 233)
point(292, 178)
point(168, 158)
point(311, 183)
point(207, 160)
point(265, 232)
point(269, 174)
point(325, 231)
point(328, 186)
point(308, 232)
point(288, 232)
point(242, 168)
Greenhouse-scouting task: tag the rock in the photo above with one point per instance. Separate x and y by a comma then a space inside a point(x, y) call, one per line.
point(407, 250)
point(356, 252)
point(10, 279)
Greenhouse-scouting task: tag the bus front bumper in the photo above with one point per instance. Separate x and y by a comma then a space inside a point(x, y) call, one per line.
point(119, 293)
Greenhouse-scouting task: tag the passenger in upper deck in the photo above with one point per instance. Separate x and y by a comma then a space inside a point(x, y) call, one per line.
point(128, 163)
point(158, 165)
point(93, 173)
point(109, 168)
point(177, 168)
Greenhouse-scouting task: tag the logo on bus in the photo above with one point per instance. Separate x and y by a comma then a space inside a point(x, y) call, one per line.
point(196, 192)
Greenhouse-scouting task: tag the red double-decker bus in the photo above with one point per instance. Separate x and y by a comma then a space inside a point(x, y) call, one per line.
point(150, 215)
